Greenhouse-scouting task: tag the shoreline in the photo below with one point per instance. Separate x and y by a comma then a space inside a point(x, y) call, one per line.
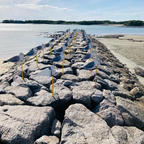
point(128, 49)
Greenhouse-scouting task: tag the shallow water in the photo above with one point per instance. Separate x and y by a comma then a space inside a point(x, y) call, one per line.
point(16, 38)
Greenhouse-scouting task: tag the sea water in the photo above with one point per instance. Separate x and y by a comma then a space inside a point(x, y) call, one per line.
point(16, 38)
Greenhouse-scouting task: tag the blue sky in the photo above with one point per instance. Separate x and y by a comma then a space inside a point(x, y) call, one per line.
point(117, 10)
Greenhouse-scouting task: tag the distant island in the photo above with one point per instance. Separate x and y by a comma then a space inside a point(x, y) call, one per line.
point(106, 22)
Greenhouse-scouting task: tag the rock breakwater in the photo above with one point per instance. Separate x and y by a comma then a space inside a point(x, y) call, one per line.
point(109, 112)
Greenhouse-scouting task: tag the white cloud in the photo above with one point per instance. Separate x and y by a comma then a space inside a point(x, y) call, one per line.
point(35, 6)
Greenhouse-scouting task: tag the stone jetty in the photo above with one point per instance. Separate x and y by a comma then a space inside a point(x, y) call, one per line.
point(80, 112)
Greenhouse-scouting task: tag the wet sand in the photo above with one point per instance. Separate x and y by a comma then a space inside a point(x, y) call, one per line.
point(128, 49)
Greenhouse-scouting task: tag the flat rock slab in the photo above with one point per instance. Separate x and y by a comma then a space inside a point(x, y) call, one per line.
point(82, 126)
point(9, 99)
point(23, 124)
point(21, 92)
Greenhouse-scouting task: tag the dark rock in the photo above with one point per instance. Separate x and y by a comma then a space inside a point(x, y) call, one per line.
point(97, 97)
point(139, 71)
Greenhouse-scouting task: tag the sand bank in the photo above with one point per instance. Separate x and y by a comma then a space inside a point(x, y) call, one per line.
point(128, 49)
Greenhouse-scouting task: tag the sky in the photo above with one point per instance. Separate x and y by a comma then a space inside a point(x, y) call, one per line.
point(117, 10)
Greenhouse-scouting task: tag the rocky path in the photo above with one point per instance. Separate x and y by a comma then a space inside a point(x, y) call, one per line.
point(110, 112)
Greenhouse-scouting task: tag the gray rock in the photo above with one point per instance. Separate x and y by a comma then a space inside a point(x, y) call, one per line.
point(128, 135)
point(56, 128)
point(42, 100)
point(21, 92)
point(112, 116)
point(104, 84)
point(44, 80)
point(67, 70)
point(132, 112)
point(33, 66)
point(109, 96)
point(112, 85)
point(102, 74)
point(24, 124)
point(61, 82)
point(82, 96)
point(47, 140)
point(41, 92)
point(106, 69)
point(59, 65)
point(115, 78)
point(62, 95)
point(70, 77)
point(139, 71)
point(9, 99)
point(86, 85)
point(77, 65)
point(3, 85)
point(85, 75)
point(97, 97)
point(105, 104)
point(33, 85)
point(82, 126)
point(123, 94)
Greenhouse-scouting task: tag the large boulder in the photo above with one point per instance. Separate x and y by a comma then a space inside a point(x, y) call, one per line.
point(132, 112)
point(62, 95)
point(21, 92)
point(82, 96)
point(109, 112)
point(112, 116)
point(24, 124)
point(9, 99)
point(82, 126)
point(128, 135)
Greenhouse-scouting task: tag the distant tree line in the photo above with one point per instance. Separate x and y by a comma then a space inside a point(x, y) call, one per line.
point(126, 23)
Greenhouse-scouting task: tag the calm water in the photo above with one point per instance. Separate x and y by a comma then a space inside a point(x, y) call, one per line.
point(16, 38)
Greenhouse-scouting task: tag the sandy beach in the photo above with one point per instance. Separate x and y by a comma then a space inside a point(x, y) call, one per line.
point(129, 49)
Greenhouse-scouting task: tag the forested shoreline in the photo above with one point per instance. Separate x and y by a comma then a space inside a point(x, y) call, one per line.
point(106, 22)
